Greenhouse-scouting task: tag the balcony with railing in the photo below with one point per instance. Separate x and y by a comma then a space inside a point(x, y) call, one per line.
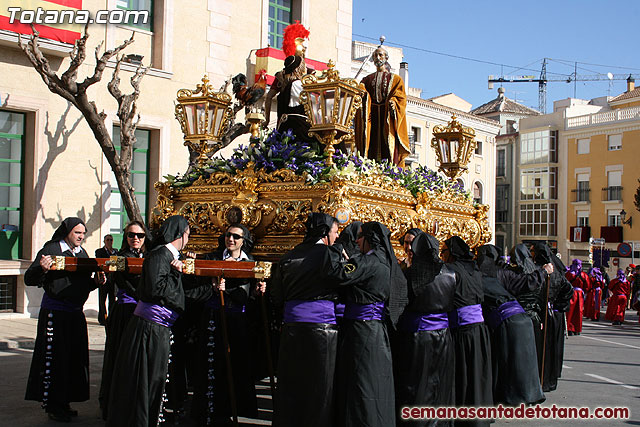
point(580, 195)
point(609, 116)
point(612, 194)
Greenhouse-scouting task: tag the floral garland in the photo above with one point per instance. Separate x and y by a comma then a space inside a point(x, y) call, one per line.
point(281, 151)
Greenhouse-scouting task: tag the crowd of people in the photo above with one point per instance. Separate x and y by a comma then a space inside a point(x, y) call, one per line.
point(594, 289)
point(358, 334)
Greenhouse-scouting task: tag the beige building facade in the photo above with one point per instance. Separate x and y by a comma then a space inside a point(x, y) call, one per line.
point(53, 166)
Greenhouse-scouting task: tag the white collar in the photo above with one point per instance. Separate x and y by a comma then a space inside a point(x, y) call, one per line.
point(64, 246)
point(226, 255)
point(174, 251)
point(320, 242)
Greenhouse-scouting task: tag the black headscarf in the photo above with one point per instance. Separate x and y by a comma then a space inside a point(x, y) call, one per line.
point(488, 258)
point(413, 231)
point(521, 260)
point(544, 255)
point(379, 238)
point(171, 229)
point(247, 239)
point(459, 248)
point(65, 228)
point(426, 263)
point(348, 238)
point(318, 226)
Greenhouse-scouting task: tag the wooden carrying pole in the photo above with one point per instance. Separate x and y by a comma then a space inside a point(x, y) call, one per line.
point(198, 267)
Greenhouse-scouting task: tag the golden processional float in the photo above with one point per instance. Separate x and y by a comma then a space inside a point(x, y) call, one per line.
point(261, 186)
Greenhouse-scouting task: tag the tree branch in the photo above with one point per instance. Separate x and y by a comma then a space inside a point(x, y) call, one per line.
point(77, 55)
point(101, 63)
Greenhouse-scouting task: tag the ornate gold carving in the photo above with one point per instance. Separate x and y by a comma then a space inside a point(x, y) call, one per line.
point(164, 206)
point(262, 270)
point(290, 216)
point(189, 266)
point(116, 263)
point(59, 262)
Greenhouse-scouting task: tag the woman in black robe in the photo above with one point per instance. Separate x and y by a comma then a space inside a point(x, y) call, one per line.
point(133, 246)
point(137, 391)
point(405, 242)
point(470, 335)
point(559, 293)
point(529, 298)
point(60, 365)
point(306, 283)
point(212, 403)
point(365, 387)
point(515, 368)
point(424, 345)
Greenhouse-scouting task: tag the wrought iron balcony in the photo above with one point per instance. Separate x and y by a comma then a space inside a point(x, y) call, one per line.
point(612, 194)
point(580, 194)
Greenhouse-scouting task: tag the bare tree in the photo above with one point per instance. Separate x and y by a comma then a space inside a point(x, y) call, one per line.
point(68, 87)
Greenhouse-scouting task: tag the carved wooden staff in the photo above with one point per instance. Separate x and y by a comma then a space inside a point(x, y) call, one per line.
point(544, 334)
point(227, 354)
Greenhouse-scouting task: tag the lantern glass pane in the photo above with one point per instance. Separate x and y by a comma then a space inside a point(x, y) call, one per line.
point(329, 101)
point(218, 122)
point(201, 114)
point(454, 145)
point(347, 99)
point(189, 115)
point(444, 150)
point(211, 113)
point(316, 110)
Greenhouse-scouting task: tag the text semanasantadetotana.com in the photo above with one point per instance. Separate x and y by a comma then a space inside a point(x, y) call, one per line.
point(509, 412)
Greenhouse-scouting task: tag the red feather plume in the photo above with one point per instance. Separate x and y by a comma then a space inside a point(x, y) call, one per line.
point(291, 33)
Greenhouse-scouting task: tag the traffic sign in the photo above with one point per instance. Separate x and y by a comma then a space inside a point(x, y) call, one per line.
point(624, 249)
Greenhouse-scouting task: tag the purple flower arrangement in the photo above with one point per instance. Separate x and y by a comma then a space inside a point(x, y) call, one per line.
point(282, 151)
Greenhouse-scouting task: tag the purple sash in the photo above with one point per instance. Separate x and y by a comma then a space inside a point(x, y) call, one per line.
point(50, 303)
point(415, 322)
point(503, 312)
point(155, 313)
point(579, 289)
point(319, 311)
point(374, 311)
point(124, 298)
point(229, 306)
point(339, 309)
point(467, 315)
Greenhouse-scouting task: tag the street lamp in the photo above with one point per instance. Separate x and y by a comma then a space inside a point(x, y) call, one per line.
point(330, 104)
point(204, 116)
point(454, 144)
point(623, 216)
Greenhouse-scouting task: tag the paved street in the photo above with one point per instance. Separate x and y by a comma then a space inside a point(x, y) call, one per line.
point(602, 368)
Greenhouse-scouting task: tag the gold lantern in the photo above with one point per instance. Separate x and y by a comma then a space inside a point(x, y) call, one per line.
point(330, 104)
point(204, 116)
point(454, 144)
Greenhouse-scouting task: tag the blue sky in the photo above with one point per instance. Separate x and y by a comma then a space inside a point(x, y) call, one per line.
point(514, 33)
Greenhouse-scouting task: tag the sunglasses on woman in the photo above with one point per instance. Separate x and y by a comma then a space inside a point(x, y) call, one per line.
point(236, 236)
point(140, 236)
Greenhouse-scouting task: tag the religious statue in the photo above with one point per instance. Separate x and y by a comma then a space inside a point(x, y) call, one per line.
point(287, 85)
point(381, 128)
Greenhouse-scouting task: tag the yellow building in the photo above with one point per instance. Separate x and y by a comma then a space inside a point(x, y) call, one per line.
point(50, 164)
point(602, 174)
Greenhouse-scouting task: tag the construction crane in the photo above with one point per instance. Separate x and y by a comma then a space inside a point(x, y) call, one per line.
point(543, 80)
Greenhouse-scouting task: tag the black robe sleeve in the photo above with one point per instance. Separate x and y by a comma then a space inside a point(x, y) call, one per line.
point(65, 285)
point(519, 283)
